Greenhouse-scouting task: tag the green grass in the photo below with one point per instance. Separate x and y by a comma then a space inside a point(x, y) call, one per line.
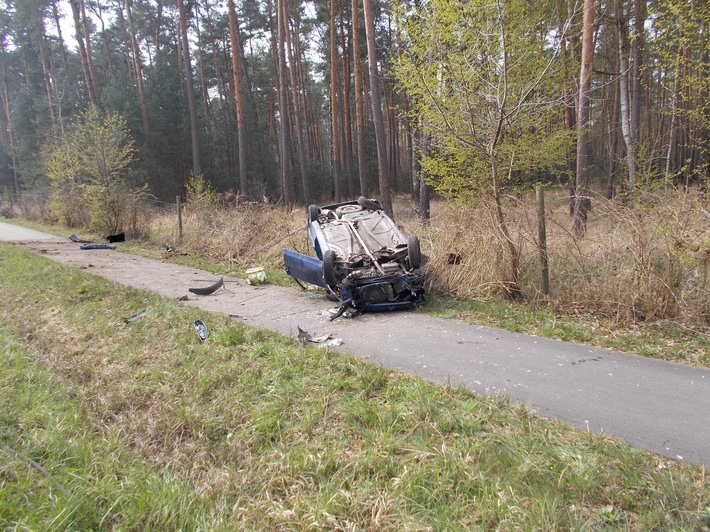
point(139, 426)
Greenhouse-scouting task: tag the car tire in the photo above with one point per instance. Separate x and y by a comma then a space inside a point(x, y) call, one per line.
point(329, 268)
point(371, 204)
point(347, 209)
point(313, 213)
point(414, 253)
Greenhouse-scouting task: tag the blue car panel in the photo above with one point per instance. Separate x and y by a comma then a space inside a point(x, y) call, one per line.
point(304, 268)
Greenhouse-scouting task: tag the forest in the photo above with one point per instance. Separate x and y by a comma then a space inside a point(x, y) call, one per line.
point(311, 100)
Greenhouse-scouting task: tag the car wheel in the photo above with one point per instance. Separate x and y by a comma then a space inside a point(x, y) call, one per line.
point(371, 204)
point(345, 209)
point(313, 212)
point(414, 254)
point(329, 268)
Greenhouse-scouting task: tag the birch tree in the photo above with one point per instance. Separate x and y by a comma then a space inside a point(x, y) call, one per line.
point(482, 83)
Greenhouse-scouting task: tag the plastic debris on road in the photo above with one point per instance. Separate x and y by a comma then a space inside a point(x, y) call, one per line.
point(323, 340)
point(207, 290)
point(78, 240)
point(98, 246)
point(256, 276)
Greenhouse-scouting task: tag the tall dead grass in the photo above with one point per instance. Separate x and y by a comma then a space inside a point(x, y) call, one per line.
point(239, 235)
point(636, 264)
point(645, 263)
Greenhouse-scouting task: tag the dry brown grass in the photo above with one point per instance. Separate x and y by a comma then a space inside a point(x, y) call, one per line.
point(633, 265)
point(237, 235)
point(641, 264)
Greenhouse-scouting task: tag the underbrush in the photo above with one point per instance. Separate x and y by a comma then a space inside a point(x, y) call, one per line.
point(649, 263)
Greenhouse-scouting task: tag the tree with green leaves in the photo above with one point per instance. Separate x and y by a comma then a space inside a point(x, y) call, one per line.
point(90, 167)
point(483, 82)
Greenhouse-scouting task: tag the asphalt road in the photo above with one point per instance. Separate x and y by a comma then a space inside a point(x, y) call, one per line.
point(658, 406)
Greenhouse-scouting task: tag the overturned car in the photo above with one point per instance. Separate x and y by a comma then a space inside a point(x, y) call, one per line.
point(363, 260)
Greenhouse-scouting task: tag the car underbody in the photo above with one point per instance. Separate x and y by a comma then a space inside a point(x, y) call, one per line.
point(363, 260)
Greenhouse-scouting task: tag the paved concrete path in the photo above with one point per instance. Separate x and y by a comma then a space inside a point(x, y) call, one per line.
point(15, 233)
point(658, 406)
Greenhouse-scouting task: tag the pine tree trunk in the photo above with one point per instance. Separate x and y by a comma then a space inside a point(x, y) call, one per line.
point(201, 66)
point(11, 148)
point(283, 106)
point(89, 53)
point(359, 96)
point(568, 96)
point(239, 99)
point(192, 107)
point(582, 200)
point(47, 73)
point(334, 105)
point(377, 116)
point(82, 52)
point(58, 27)
point(638, 48)
point(347, 119)
point(135, 50)
point(671, 163)
point(613, 154)
point(297, 112)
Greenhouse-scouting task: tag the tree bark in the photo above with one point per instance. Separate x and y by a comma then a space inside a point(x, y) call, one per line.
point(568, 96)
point(192, 107)
point(347, 119)
point(57, 23)
point(93, 99)
point(377, 116)
point(582, 201)
point(11, 144)
point(513, 289)
point(334, 105)
point(638, 49)
point(135, 50)
point(671, 163)
point(47, 69)
point(359, 96)
point(283, 106)
point(239, 99)
point(89, 53)
point(297, 111)
point(627, 113)
point(424, 192)
point(613, 154)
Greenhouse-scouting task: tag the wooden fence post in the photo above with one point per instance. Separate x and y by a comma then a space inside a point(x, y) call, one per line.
point(542, 238)
point(179, 217)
